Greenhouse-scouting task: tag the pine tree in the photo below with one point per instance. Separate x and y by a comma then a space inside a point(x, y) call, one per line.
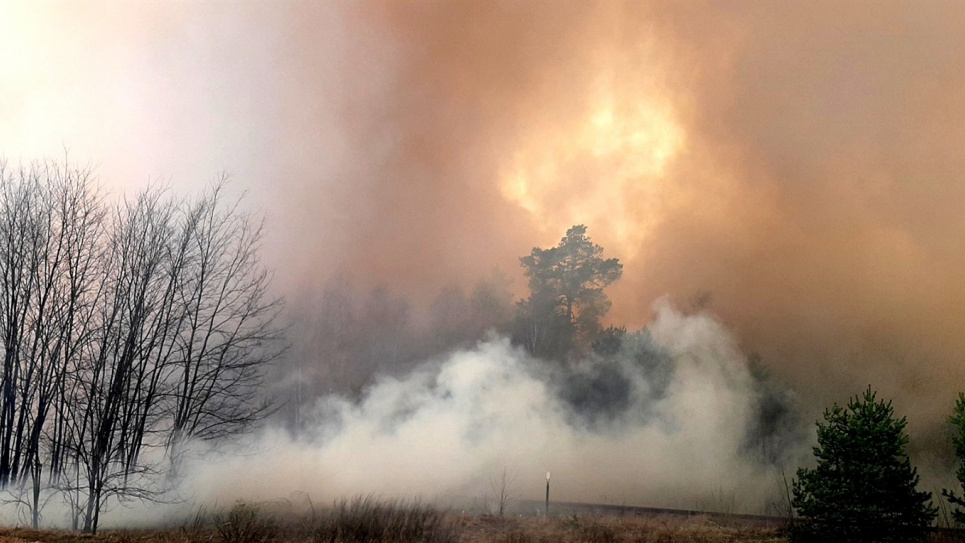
point(863, 487)
point(958, 440)
point(566, 305)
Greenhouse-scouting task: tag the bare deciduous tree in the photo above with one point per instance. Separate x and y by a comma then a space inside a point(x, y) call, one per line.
point(123, 329)
point(504, 491)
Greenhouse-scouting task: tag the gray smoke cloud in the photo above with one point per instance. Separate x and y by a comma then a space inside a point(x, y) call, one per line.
point(671, 420)
point(441, 431)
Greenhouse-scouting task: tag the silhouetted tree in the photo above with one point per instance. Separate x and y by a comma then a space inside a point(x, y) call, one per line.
point(776, 426)
point(609, 340)
point(491, 303)
point(863, 488)
point(225, 320)
point(957, 421)
point(451, 320)
point(456, 320)
point(387, 340)
point(122, 329)
point(51, 222)
point(566, 301)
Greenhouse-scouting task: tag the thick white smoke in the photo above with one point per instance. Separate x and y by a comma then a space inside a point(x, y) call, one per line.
point(672, 434)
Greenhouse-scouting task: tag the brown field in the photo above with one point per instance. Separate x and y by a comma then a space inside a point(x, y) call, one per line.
point(457, 529)
point(369, 521)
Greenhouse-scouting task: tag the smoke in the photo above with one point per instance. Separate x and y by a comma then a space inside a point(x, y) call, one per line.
point(798, 161)
point(441, 431)
point(671, 419)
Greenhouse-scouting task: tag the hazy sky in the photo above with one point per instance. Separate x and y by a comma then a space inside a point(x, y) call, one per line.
point(801, 161)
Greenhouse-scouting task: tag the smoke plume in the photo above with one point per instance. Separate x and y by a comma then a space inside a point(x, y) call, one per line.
point(797, 162)
point(676, 431)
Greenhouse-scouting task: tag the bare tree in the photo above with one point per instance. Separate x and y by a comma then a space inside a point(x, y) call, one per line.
point(50, 219)
point(134, 336)
point(123, 328)
point(227, 333)
point(504, 491)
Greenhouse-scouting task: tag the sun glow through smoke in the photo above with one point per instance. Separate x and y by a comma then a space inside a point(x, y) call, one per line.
point(603, 169)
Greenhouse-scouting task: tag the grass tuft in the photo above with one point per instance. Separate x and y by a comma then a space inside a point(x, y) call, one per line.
point(366, 519)
point(244, 524)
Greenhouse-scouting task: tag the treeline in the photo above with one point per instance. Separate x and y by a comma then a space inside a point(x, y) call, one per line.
point(346, 337)
point(127, 328)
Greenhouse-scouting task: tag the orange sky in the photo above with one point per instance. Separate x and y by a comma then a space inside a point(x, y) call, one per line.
point(801, 161)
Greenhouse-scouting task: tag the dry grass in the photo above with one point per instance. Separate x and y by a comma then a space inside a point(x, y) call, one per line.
point(360, 521)
point(243, 523)
point(367, 520)
point(610, 529)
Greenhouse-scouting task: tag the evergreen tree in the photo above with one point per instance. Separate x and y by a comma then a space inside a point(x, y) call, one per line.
point(609, 340)
point(863, 488)
point(566, 304)
point(958, 440)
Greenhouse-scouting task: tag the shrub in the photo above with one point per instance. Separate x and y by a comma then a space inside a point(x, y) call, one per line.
point(863, 488)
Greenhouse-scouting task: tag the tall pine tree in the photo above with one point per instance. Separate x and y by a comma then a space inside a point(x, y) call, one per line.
point(563, 313)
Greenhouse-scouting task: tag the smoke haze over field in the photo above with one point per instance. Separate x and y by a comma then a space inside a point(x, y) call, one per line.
point(800, 161)
point(442, 431)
